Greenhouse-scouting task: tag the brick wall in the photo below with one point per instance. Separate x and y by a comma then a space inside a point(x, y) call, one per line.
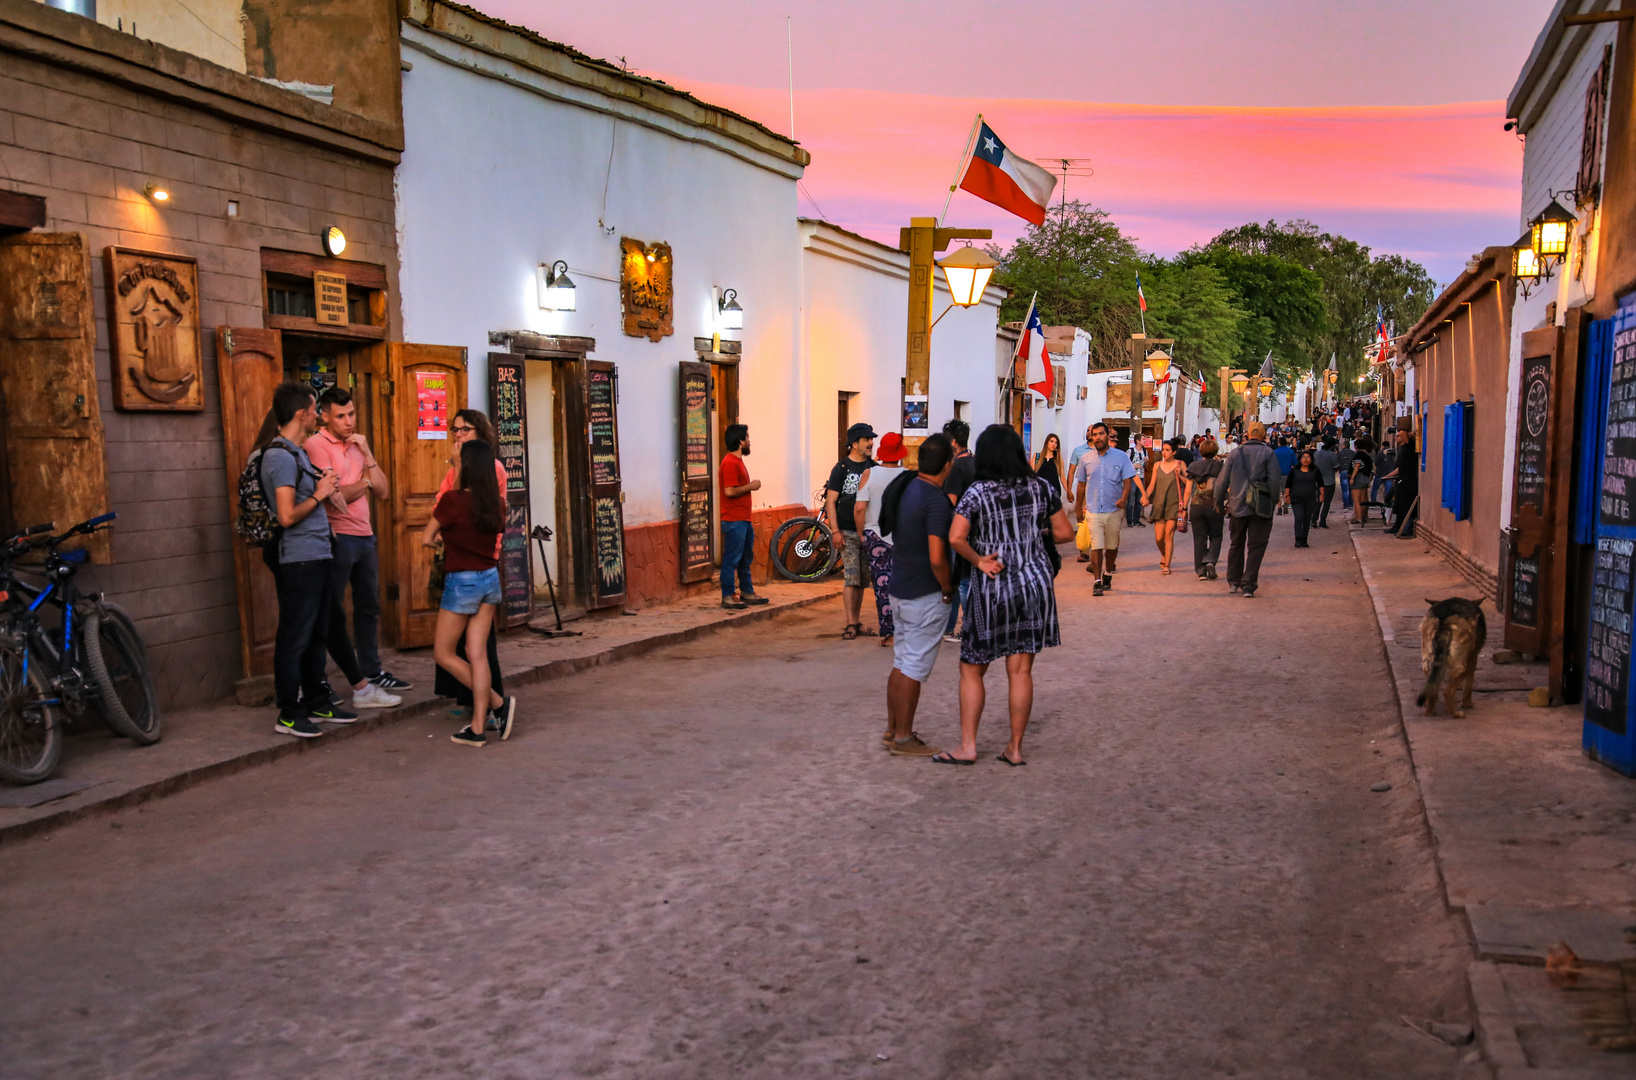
point(653, 564)
point(90, 147)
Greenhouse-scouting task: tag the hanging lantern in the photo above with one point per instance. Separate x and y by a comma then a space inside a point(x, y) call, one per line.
point(1239, 383)
point(1158, 362)
point(1550, 232)
point(967, 271)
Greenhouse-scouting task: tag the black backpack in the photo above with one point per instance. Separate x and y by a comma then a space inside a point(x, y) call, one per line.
point(257, 523)
point(891, 498)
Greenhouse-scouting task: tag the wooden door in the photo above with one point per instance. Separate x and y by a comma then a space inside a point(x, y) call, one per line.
point(250, 365)
point(606, 586)
point(424, 385)
point(56, 469)
point(698, 542)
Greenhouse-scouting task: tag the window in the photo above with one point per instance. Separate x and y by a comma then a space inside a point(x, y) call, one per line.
point(961, 410)
point(843, 420)
point(1457, 459)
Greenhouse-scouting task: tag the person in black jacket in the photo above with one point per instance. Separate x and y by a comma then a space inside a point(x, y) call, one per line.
point(1250, 511)
point(1306, 495)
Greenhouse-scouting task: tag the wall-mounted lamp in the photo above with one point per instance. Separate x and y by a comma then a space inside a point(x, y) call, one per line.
point(732, 316)
point(1525, 265)
point(1158, 362)
point(556, 287)
point(334, 241)
point(157, 192)
point(1550, 232)
point(967, 271)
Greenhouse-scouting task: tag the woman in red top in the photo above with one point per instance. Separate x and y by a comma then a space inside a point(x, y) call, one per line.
point(469, 520)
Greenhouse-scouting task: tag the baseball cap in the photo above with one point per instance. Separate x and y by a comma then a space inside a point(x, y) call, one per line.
point(890, 448)
point(859, 431)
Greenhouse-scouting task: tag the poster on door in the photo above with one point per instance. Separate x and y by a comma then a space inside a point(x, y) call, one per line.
point(431, 405)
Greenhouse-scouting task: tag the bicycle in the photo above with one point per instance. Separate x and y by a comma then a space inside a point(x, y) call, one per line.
point(95, 658)
point(804, 549)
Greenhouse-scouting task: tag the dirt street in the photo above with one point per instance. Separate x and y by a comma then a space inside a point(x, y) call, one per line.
point(701, 864)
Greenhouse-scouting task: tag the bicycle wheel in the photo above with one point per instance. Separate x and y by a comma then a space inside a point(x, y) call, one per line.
point(30, 738)
point(118, 664)
point(804, 550)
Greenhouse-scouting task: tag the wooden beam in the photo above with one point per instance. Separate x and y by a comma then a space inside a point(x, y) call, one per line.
point(20, 211)
point(1597, 17)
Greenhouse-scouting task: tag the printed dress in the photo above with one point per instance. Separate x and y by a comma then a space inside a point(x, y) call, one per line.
point(1016, 611)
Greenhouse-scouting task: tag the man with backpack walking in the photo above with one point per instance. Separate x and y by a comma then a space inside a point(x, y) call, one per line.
point(1249, 491)
point(1205, 473)
point(305, 590)
point(337, 447)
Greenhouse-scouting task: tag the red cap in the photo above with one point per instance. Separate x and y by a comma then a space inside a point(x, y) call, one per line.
point(890, 448)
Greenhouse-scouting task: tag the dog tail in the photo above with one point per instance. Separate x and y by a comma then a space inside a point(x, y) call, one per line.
point(1440, 661)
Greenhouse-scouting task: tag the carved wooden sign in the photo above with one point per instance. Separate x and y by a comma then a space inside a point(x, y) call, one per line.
point(645, 288)
point(153, 321)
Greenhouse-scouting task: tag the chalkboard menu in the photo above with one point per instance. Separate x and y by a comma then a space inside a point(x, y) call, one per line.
point(516, 581)
point(1533, 434)
point(508, 409)
point(696, 423)
point(696, 531)
point(600, 415)
point(1619, 465)
point(1524, 598)
point(1607, 659)
point(610, 547)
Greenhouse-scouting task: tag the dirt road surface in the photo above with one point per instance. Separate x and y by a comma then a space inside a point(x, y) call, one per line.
point(701, 864)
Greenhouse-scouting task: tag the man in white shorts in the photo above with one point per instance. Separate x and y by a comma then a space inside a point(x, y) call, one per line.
point(922, 593)
point(1102, 489)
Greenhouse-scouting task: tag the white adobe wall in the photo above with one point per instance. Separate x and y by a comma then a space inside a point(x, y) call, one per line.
point(855, 313)
point(500, 174)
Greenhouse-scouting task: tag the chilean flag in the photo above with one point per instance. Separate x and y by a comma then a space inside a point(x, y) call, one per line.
point(1141, 298)
point(1031, 347)
point(1006, 180)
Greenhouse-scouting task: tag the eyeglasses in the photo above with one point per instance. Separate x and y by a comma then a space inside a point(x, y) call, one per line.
point(462, 429)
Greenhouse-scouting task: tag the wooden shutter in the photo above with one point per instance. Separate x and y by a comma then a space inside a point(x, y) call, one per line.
point(698, 541)
point(249, 365)
point(606, 587)
point(508, 409)
point(57, 470)
point(424, 386)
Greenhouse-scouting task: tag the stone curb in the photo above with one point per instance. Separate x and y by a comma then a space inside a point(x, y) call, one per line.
point(555, 669)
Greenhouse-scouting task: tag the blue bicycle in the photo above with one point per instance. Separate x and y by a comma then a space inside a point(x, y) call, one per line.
point(93, 658)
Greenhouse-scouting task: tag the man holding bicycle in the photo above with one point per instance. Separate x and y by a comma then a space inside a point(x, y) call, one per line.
point(305, 590)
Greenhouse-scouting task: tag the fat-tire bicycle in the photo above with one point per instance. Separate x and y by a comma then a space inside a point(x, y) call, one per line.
point(93, 659)
point(804, 549)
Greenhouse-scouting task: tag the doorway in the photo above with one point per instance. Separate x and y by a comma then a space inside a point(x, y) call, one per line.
point(843, 421)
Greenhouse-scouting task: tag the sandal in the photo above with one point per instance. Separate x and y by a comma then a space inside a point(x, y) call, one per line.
point(850, 632)
point(886, 642)
point(946, 758)
point(864, 631)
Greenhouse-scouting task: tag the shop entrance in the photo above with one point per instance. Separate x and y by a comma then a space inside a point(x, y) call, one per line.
point(708, 406)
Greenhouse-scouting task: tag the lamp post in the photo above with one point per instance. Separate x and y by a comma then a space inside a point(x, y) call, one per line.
point(922, 240)
point(1238, 384)
point(1139, 365)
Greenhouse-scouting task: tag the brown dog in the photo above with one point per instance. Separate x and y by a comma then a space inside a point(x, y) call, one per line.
point(1451, 637)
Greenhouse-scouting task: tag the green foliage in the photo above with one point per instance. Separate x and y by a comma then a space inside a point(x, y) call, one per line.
point(1283, 306)
point(1197, 306)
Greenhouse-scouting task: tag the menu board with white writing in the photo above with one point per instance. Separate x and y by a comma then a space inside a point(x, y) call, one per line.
point(1533, 433)
point(1607, 657)
point(508, 409)
point(608, 525)
point(696, 423)
point(696, 530)
point(600, 409)
point(516, 584)
point(1524, 598)
point(1619, 465)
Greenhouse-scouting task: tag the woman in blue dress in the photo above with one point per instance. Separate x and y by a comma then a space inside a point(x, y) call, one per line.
point(1001, 526)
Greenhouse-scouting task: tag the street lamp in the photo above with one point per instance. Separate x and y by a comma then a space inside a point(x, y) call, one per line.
point(1550, 232)
point(1158, 362)
point(967, 272)
point(1240, 383)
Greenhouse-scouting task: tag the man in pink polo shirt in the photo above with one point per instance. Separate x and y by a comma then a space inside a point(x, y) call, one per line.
point(338, 446)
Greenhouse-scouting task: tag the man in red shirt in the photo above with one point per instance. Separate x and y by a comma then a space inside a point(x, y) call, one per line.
point(738, 539)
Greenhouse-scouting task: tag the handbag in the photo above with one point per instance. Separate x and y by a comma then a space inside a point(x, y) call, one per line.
point(434, 590)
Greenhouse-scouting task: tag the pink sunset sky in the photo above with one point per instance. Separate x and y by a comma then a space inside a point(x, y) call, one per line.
point(1378, 119)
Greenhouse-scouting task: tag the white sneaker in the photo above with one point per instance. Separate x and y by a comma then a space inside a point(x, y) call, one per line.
point(373, 697)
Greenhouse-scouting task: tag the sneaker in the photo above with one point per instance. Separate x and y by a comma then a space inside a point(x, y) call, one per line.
point(373, 697)
point(1084, 557)
point(1107, 581)
point(1234, 591)
point(1210, 571)
point(299, 726)
point(753, 600)
point(731, 605)
point(911, 747)
point(335, 714)
point(953, 639)
point(1249, 594)
point(1090, 569)
point(1097, 589)
point(1202, 576)
point(388, 681)
point(503, 717)
point(467, 737)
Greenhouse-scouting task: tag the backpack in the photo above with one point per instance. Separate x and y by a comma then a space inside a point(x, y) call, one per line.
point(890, 499)
point(257, 524)
point(1204, 488)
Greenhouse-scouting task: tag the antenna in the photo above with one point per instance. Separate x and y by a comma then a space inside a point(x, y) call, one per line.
point(1072, 167)
point(789, 45)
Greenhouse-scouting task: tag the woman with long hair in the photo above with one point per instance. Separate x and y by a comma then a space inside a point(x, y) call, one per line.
point(1306, 494)
point(1001, 526)
point(1166, 492)
point(469, 520)
point(467, 425)
point(1048, 463)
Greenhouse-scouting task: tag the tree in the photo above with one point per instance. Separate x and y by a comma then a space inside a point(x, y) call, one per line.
point(1197, 307)
point(1282, 301)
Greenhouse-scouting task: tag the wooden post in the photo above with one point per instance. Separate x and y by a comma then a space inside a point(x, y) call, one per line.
point(1138, 367)
point(922, 240)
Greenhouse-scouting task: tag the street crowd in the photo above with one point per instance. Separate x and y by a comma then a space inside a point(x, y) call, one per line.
point(964, 547)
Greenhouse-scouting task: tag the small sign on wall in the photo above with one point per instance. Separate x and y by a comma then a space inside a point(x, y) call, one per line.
point(330, 296)
point(431, 405)
point(917, 416)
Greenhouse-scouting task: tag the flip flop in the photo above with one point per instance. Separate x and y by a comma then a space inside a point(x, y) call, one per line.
point(1008, 761)
point(945, 758)
point(851, 632)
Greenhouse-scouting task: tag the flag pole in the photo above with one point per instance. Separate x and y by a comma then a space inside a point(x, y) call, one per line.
point(1139, 308)
point(965, 156)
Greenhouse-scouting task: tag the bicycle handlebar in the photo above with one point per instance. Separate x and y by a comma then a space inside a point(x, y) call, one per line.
point(100, 520)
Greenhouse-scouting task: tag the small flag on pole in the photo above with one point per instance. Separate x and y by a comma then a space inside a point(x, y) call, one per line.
point(1141, 298)
point(1012, 183)
point(1266, 366)
point(1038, 371)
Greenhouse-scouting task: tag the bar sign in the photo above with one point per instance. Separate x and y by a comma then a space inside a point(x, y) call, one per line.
point(331, 293)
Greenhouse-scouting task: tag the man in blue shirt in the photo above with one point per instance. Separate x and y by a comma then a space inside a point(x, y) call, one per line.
point(1286, 462)
point(1102, 489)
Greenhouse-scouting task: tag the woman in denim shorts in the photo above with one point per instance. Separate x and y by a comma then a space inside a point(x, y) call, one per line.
point(469, 519)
